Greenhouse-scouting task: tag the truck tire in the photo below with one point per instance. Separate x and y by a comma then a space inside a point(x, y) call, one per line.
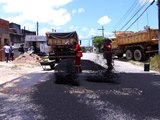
point(129, 54)
point(52, 66)
point(139, 55)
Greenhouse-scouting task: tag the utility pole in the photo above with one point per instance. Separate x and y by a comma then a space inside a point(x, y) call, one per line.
point(102, 31)
point(158, 3)
point(37, 28)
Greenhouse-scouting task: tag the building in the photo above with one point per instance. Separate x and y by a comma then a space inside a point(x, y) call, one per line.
point(12, 33)
point(4, 36)
point(17, 34)
point(37, 42)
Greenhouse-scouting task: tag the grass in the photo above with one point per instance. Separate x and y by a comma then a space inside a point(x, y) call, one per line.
point(155, 63)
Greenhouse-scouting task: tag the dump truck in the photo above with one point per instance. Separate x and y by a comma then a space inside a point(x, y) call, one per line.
point(60, 46)
point(136, 45)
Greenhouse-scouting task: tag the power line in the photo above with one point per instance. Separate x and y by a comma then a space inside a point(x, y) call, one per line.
point(140, 15)
point(127, 13)
point(135, 15)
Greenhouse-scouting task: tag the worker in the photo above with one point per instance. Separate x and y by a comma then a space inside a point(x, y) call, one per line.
point(107, 52)
point(21, 49)
point(78, 55)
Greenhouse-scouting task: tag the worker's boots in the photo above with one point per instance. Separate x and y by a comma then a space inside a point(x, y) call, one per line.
point(78, 68)
point(110, 68)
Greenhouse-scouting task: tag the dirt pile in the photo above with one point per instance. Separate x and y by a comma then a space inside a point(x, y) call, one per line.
point(27, 58)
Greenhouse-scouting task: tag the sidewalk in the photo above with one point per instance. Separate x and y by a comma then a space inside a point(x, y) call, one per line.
point(10, 71)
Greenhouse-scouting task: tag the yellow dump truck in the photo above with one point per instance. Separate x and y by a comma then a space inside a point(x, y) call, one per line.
point(136, 45)
point(60, 46)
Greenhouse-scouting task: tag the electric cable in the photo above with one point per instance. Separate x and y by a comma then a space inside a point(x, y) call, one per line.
point(127, 13)
point(140, 15)
point(135, 15)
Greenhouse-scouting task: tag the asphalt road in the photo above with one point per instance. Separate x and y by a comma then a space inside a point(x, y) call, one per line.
point(126, 93)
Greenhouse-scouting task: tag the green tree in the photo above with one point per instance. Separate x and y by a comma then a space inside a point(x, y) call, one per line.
point(97, 41)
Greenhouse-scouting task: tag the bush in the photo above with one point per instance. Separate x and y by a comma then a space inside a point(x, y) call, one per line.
point(155, 63)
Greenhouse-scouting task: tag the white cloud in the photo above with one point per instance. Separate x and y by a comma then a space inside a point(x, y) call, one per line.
point(43, 11)
point(108, 34)
point(84, 28)
point(81, 37)
point(43, 31)
point(73, 28)
point(92, 32)
point(104, 20)
point(80, 10)
point(74, 11)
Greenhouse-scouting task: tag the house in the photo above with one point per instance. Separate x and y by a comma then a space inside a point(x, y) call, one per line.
point(37, 42)
point(12, 33)
point(17, 36)
point(4, 36)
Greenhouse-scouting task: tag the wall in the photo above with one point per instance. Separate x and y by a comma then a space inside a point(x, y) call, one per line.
point(4, 36)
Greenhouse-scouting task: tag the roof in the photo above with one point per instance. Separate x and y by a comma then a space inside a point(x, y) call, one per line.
point(35, 38)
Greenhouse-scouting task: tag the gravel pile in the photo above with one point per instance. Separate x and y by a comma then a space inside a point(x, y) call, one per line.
point(27, 58)
point(65, 72)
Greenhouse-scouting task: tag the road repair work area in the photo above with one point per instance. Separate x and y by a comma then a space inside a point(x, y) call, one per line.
point(27, 64)
point(27, 92)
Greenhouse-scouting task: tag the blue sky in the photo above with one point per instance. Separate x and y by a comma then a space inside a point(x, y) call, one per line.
point(84, 16)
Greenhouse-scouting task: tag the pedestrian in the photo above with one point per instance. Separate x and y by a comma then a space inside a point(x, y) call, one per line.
point(12, 51)
point(78, 55)
point(107, 52)
point(21, 49)
point(6, 52)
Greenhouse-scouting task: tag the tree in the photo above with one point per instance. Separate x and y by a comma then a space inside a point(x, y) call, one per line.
point(97, 41)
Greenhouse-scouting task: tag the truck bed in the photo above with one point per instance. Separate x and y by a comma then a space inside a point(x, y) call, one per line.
point(54, 39)
point(148, 36)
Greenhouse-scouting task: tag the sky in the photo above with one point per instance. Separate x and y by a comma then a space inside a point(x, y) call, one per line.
point(84, 16)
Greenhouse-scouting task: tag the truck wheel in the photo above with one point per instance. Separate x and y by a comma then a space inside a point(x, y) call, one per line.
point(52, 66)
point(139, 55)
point(129, 54)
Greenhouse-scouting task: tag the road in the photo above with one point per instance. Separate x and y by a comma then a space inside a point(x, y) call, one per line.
point(127, 93)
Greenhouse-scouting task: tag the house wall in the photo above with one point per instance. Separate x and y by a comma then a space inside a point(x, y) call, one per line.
point(4, 36)
point(12, 33)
